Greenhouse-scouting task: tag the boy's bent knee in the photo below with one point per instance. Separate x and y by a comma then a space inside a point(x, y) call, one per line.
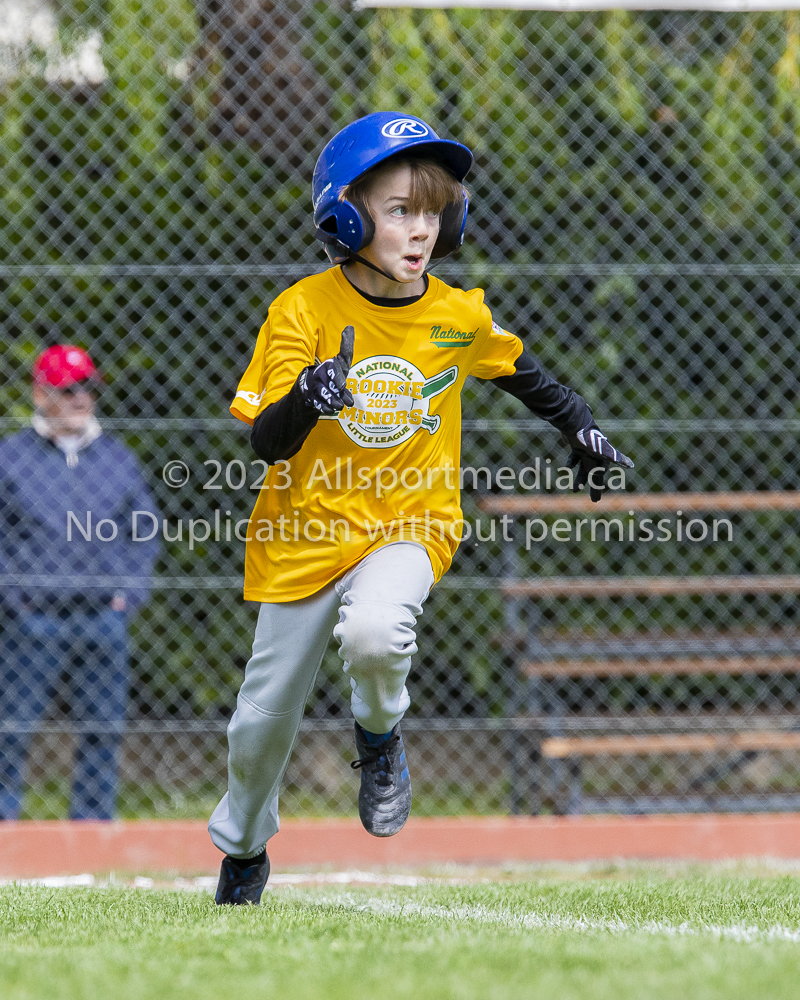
point(374, 634)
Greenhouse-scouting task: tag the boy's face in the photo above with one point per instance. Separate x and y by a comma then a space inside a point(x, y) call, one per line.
point(403, 241)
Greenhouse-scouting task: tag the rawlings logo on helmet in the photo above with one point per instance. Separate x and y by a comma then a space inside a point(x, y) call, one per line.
point(399, 128)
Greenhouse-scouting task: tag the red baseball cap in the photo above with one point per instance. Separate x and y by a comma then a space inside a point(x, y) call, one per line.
point(62, 366)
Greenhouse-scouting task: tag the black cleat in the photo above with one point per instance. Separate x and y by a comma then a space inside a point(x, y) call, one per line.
point(384, 799)
point(242, 886)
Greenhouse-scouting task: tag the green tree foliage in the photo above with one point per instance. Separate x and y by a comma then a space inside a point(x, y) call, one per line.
point(590, 132)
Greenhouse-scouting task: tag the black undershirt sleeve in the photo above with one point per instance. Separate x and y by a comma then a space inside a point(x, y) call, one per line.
point(548, 399)
point(279, 432)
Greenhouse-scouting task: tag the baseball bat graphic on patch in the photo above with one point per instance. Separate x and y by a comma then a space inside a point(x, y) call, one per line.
point(432, 387)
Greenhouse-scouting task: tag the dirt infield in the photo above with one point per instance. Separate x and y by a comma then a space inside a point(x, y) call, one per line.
point(36, 849)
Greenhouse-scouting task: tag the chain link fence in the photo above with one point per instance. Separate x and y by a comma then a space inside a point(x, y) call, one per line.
point(635, 218)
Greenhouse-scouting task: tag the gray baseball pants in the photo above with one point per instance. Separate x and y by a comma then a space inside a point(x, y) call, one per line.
point(372, 610)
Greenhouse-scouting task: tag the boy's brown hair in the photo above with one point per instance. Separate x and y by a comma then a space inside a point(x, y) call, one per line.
point(433, 187)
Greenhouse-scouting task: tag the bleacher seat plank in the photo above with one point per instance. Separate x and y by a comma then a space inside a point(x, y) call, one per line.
point(619, 746)
point(732, 502)
point(663, 586)
point(732, 665)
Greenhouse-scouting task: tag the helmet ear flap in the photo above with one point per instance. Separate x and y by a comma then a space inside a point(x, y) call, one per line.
point(348, 226)
point(451, 228)
point(367, 223)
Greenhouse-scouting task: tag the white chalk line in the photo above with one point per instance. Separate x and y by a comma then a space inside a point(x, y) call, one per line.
point(480, 915)
point(487, 916)
point(208, 883)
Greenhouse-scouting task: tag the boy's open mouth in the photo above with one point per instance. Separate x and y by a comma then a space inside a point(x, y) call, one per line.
point(413, 259)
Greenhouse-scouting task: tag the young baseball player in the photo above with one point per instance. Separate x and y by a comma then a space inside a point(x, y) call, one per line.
point(353, 394)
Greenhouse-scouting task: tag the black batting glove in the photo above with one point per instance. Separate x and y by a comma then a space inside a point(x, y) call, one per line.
point(592, 455)
point(324, 387)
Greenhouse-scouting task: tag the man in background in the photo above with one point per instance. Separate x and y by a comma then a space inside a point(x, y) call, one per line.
point(70, 577)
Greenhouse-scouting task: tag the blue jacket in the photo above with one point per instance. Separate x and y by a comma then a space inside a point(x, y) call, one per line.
point(44, 556)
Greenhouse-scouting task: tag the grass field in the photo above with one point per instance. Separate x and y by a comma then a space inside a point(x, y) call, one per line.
point(565, 933)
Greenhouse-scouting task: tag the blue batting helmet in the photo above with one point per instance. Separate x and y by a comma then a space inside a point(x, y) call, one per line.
point(343, 227)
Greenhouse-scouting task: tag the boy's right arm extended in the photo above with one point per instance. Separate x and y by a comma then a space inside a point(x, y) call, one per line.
point(279, 432)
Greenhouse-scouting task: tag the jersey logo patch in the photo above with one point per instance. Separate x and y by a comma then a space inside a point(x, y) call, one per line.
point(391, 401)
point(250, 397)
point(451, 337)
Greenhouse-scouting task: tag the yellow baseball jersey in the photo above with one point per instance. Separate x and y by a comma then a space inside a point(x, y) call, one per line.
point(385, 469)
